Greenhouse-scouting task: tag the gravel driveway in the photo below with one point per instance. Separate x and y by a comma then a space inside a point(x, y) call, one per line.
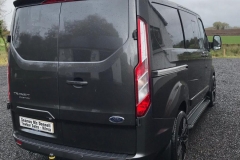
point(215, 136)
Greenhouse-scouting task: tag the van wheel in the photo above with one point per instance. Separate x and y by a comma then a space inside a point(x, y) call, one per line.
point(180, 137)
point(212, 93)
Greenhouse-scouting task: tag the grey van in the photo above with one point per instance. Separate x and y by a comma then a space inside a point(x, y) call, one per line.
point(108, 80)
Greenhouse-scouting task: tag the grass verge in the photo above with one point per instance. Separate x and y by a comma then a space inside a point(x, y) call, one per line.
point(229, 51)
point(227, 39)
point(3, 58)
point(3, 55)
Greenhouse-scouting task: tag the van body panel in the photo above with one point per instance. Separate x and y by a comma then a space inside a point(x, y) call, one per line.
point(96, 47)
point(169, 91)
point(194, 54)
point(206, 52)
point(34, 69)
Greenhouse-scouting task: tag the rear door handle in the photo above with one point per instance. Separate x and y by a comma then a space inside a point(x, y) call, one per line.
point(77, 83)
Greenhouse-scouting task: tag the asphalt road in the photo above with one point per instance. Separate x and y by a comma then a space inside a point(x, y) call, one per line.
point(216, 135)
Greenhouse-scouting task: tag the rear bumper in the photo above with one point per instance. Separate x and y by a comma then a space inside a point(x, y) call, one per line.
point(72, 153)
point(63, 151)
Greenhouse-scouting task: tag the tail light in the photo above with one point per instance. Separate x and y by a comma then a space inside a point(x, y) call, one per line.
point(56, 1)
point(19, 142)
point(142, 74)
point(8, 77)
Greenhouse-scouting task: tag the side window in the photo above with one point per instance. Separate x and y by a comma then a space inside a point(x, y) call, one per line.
point(191, 30)
point(166, 30)
point(203, 38)
point(156, 38)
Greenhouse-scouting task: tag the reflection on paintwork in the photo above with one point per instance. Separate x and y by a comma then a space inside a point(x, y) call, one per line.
point(91, 34)
point(191, 30)
point(168, 21)
point(190, 54)
point(171, 103)
point(35, 32)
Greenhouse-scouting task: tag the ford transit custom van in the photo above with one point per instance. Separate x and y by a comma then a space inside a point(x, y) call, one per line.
point(108, 79)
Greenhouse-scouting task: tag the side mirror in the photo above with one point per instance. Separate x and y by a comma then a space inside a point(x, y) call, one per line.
point(217, 43)
point(9, 39)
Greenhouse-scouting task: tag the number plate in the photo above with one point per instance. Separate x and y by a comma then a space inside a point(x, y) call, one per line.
point(35, 124)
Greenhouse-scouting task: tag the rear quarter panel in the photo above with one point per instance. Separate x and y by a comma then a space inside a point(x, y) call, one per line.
point(168, 92)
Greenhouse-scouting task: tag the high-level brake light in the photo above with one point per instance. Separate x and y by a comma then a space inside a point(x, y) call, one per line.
point(142, 74)
point(56, 1)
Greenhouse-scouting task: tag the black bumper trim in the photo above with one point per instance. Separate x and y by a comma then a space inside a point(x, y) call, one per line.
point(64, 151)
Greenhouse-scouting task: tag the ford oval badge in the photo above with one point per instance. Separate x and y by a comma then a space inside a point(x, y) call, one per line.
point(116, 119)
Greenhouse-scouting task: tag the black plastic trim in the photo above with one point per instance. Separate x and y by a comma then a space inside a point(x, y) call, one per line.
point(64, 151)
point(9, 106)
point(164, 72)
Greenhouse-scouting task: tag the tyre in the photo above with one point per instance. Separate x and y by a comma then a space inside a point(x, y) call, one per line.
point(212, 92)
point(180, 137)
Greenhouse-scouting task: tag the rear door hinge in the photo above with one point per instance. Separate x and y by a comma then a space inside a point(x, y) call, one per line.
point(9, 106)
point(138, 122)
point(135, 35)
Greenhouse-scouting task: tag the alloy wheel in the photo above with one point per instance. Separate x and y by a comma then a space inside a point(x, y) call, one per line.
point(182, 140)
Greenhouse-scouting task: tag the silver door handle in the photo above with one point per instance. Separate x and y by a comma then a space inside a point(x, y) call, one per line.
point(80, 83)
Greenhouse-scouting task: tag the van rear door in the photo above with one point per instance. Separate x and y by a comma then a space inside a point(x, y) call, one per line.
point(96, 75)
point(33, 68)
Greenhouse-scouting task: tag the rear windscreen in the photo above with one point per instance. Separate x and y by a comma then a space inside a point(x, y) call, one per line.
point(35, 32)
point(92, 30)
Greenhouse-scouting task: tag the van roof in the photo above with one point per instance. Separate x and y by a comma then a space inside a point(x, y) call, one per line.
point(174, 5)
point(164, 2)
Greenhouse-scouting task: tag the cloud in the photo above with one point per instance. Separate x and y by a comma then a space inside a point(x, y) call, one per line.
point(214, 10)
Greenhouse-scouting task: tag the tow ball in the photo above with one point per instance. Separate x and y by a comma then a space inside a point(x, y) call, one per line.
point(51, 156)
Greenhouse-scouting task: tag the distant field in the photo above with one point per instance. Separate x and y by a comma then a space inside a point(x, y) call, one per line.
point(226, 32)
point(227, 39)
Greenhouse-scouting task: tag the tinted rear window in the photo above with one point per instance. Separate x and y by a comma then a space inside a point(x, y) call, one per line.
point(35, 32)
point(92, 30)
point(167, 31)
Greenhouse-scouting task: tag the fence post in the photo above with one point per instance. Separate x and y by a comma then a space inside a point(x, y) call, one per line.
point(224, 52)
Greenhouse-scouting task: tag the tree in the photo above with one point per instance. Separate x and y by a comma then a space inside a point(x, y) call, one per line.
point(224, 26)
point(3, 28)
point(220, 25)
point(1, 8)
point(3, 32)
point(217, 25)
point(235, 27)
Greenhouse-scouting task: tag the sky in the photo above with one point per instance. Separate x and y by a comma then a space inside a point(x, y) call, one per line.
point(214, 10)
point(210, 10)
point(8, 8)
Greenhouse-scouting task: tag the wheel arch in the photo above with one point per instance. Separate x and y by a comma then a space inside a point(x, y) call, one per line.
point(178, 100)
point(211, 76)
point(183, 107)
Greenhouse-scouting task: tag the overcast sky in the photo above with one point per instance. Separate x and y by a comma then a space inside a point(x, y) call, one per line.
point(214, 10)
point(210, 10)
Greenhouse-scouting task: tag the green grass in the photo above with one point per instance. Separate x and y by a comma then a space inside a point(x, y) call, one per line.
point(227, 39)
point(3, 58)
point(3, 54)
point(231, 45)
point(230, 51)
